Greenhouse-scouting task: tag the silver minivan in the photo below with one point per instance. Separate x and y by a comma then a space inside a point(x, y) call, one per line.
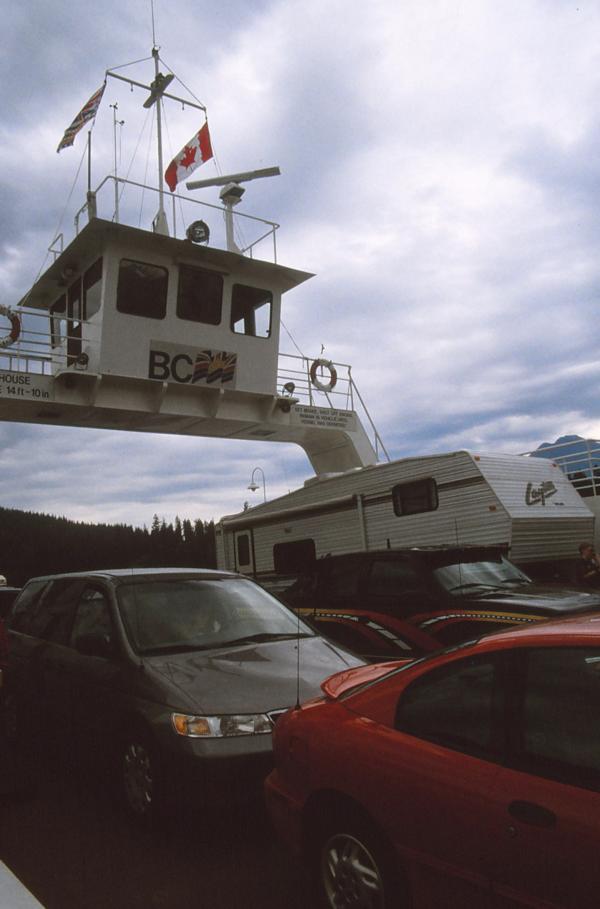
point(177, 676)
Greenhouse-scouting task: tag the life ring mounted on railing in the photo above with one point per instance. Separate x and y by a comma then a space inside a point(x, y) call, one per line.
point(15, 326)
point(323, 364)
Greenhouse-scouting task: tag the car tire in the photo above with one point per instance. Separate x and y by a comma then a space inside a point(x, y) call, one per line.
point(353, 866)
point(140, 777)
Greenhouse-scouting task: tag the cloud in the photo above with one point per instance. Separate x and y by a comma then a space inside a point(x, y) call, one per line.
point(439, 176)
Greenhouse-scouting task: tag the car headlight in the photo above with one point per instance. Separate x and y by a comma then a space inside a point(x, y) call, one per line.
point(214, 727)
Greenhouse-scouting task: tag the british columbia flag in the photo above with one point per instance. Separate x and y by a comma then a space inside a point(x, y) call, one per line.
point(87, 112)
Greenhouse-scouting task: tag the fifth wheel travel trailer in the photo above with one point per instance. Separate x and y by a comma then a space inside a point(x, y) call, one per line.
point(525, 504)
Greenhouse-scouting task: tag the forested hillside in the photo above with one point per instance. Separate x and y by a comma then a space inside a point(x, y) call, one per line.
point(33, 544)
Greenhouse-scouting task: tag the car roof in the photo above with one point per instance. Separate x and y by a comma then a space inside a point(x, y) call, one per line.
point(577, 629)
point(123, 575)
point(420, 551)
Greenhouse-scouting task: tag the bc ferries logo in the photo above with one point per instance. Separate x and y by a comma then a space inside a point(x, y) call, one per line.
point(190, 365)
point(538, 495)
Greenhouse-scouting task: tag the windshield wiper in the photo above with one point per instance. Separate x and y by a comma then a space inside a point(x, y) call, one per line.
point(161, 649)
point(474, 584)
point(263, 637)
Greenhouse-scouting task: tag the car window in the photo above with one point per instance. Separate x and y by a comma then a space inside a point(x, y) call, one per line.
point(460, 577)
point(92, 616)
point(341, 577)
point(449, 629)
point(456, 706)
point(391, 577)
point(364, 636)
point(559, 734)
point(44, 609)
point(182, 614)
point(53, 617)
point(25, 605)
point(7, 597)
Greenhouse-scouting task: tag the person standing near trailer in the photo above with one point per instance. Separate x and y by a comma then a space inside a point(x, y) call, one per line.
point(588, 569)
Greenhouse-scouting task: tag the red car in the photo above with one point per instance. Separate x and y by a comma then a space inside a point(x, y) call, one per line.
point(469, 778)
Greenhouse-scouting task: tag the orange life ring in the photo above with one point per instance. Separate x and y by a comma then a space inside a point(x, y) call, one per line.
point(15, 326)
point(323, 364)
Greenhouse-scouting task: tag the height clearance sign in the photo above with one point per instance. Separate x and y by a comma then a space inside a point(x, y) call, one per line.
point(191, 365)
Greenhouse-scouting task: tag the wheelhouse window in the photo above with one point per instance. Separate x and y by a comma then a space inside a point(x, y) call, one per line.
point(75, 317)
point(58, 322)
point(251, 310)
point(415, 497)
point(142, 289)
point(199, 295)
point(92, 289)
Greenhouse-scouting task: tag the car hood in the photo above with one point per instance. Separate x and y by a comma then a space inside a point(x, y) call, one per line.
point(250, 678)
point(537, 598)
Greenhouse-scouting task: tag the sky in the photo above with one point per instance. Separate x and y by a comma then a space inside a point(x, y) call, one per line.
point(440, 177)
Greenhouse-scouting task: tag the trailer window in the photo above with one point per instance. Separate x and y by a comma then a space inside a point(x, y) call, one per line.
point(199, 295)
point(243, 549)
point(142, 289)
point(251, 311)
point(296, 556)
point(415, 497)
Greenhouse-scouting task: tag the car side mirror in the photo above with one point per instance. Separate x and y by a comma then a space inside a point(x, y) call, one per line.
point(95, 644)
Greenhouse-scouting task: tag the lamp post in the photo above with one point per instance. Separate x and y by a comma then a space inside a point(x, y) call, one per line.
point(254, 485)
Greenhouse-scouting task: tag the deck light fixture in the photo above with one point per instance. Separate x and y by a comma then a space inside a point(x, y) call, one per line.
point(254, 485)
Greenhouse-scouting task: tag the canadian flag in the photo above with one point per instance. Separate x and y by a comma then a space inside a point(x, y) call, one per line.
point(196, 152)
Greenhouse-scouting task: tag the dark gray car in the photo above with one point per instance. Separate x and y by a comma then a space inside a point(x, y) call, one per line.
point(177, 675)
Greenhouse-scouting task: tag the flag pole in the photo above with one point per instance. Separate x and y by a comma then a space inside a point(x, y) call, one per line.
point(116, 123)
point(89, 160)
point(90, 196)
point(161, 219)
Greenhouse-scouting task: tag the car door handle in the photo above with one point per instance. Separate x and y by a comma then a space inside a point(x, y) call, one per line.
point(532, 814)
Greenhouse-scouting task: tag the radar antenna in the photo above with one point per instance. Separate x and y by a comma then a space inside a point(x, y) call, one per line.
point(232, 193)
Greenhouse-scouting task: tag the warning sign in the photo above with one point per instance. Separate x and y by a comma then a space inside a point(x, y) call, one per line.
point(325, 417)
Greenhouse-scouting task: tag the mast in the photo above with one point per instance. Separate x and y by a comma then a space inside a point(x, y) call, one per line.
point(157, 89)
point(160, 222)
point(116, 123)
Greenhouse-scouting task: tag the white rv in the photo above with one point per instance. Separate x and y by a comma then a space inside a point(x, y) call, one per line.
point(526, 504)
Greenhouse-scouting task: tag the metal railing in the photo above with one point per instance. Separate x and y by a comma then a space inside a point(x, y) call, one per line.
point(295, 370)
point(579, 459)
point(267, 229)
point(39, 351)
point(34, 351)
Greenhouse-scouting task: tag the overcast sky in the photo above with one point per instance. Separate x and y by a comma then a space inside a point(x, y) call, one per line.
point(440, 176)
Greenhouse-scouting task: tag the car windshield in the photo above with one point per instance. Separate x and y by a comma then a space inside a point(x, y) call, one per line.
point(464, 577)
point(169, 615)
